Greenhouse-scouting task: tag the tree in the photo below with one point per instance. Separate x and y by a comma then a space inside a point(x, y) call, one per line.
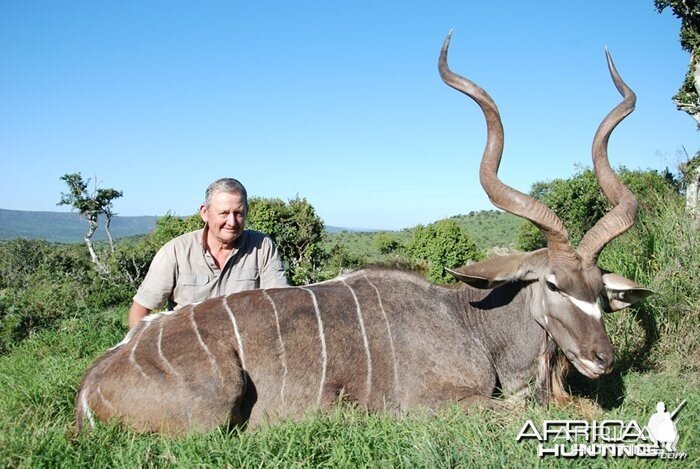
point(688, 97)
point(90, 205)
point(104, 199)
point(298, 232)
point(690, 183)
point(443, 244)
point(688, 11)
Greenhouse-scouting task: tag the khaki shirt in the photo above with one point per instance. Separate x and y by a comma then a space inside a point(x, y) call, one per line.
point(183, 272)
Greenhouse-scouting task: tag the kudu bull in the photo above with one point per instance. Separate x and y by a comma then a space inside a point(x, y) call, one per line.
point(383, 339)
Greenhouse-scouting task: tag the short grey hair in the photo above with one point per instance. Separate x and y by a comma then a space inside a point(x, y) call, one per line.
point(230, 185)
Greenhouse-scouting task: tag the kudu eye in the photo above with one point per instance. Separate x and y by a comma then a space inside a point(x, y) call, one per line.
point(551, 284)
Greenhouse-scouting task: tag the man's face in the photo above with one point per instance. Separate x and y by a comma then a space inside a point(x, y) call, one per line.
point(225, 216)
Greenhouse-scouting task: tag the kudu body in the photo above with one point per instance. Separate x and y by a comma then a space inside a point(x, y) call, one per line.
point(384, 339)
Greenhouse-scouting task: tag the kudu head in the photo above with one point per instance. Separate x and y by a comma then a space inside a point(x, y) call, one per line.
point(570, 292)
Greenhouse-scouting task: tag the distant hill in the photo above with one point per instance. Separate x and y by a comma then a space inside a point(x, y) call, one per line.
point(488, 229)
point(66, 227)
point(491, 228)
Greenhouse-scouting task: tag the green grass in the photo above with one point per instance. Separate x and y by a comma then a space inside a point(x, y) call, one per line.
point(40, 376)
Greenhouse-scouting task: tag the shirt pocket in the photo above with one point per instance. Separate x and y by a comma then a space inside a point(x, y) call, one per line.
point(191, 288)
point(245, 279)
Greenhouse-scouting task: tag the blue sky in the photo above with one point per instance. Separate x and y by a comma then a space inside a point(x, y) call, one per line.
point(337, 101)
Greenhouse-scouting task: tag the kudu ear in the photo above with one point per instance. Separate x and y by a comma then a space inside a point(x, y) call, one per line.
point(502, 269)
point(621, 292)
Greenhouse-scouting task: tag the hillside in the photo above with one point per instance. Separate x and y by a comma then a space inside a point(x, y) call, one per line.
point(66, 227)
point(491, 228)
point(488, 228)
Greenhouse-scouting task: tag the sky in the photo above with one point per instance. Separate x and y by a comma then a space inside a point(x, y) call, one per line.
point(339, 102)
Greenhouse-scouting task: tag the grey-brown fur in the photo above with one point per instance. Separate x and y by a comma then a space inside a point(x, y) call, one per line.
point(448, 345)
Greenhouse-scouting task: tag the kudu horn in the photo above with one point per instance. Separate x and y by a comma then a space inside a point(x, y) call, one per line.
point(624, 212)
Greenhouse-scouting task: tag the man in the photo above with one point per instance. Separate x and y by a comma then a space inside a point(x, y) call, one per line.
point(220, 259)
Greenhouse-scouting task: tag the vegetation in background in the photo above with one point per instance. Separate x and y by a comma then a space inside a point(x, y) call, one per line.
point(386, 242)
point(580, 202)
point(491, 228)
point(488, 229)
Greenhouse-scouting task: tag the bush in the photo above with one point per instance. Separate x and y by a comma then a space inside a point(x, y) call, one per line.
point(55, 282)
point(298, 233)
point(386, 243)
point(169, 227)
point(443, 244)
point(580, 203)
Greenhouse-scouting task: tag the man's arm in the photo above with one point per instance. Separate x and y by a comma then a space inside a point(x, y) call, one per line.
point(272, 274)
point(136, 313)
point(156, 287)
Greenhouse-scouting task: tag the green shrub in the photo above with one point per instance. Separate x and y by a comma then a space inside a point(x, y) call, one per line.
point(41, 294)
point(443, 244)
point(42, 284)
point(169, 227)
point(580, 203)
point(339, 260)
point(386, 243)
point(298, 233)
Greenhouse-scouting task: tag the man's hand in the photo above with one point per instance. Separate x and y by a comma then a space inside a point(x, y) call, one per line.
point(136, 313)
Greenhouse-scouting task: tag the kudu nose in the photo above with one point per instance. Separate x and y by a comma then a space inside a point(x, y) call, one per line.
point(603, 360)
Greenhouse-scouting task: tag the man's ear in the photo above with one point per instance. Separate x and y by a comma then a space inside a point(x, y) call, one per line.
point(621, 292)
point(502, 269)
point(203, 213)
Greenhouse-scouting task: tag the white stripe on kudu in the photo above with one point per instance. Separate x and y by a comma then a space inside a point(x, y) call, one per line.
point(132, 357)
point(103, 398)
point(283, 351)
point(590, 309)
point(388, 331)
point(231, 316)
point(364, 340)
point(161, 355)
point(212, 358)
point(86, 408)
point(324, 354)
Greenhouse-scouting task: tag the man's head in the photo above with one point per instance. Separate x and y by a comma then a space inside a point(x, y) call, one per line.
point(224, 209)
point(230, 185)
